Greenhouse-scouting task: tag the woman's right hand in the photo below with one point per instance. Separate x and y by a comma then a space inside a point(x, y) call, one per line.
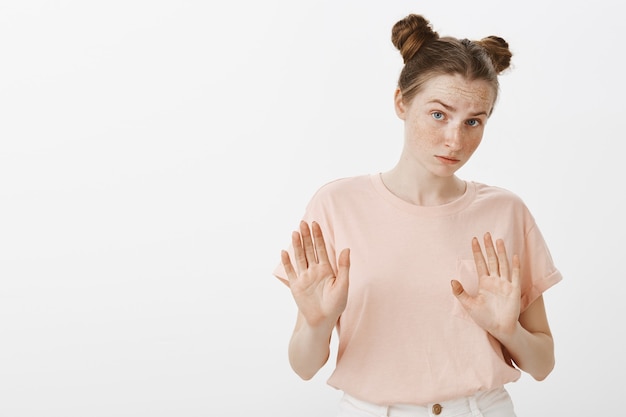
point(320, 295)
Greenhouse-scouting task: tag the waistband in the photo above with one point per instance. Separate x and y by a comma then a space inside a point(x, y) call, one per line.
point(467, 406)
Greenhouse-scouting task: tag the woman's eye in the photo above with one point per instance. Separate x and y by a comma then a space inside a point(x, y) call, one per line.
point(437, 115)
point(473, 122)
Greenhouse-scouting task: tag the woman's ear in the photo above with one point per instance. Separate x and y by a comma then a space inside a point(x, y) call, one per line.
point(399, 105)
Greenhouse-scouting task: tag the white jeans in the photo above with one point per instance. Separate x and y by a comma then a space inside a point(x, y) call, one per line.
point(494, 403)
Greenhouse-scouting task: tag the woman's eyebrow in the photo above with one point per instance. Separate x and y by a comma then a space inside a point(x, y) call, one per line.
point(452, 108)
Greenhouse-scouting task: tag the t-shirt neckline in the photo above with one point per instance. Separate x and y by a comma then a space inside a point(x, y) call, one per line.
point(441, 210)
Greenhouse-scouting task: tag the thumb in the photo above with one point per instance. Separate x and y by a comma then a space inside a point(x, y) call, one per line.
point(458, 290)
point(343, 266)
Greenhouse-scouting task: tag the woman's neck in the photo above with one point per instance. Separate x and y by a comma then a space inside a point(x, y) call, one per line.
point(427, 190)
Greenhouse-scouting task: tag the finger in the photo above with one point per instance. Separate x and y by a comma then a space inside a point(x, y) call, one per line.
point(343, 268)
point(320, 244)
point(479, 259)
point(291, 273)
point(503, 260)
point(460, 293)
point(298, 252)
point(307, 242)
point(492, 257)
point(515, 275)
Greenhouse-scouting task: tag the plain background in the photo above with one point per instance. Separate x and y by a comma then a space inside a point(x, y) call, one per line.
point(156, 155)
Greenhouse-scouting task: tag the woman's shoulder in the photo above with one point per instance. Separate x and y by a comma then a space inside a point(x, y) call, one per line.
point(493, 193)
point(341, 191)
point(345, 185)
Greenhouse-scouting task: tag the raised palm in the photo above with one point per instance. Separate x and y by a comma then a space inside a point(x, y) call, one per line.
point(320, 294)
point(496, 305)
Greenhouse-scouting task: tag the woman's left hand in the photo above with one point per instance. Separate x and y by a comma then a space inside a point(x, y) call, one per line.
point(496, 305)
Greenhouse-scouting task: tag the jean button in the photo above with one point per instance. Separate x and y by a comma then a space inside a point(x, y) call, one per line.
point(437, 409)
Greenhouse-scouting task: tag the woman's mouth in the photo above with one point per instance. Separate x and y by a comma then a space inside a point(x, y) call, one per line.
point(447, 160)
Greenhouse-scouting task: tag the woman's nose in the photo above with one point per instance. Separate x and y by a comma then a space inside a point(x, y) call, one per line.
point(454, 137)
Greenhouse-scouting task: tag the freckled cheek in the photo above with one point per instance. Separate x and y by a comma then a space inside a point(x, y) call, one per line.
point(425, 137)
point(472, 143)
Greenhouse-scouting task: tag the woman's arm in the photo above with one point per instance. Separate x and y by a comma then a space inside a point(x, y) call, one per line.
point(320, 296)
point(531, 345)
point(496, 308)
point(309, 347)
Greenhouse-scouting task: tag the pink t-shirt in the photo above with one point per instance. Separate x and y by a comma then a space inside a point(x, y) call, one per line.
point(403, 337)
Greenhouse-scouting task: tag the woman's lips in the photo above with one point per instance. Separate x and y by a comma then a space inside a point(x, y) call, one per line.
point(447, 160)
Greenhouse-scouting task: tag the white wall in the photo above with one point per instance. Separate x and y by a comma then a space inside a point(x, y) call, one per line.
point(155, 156)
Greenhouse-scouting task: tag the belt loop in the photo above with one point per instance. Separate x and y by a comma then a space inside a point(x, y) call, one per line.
point(385, 411)
point(474, 407)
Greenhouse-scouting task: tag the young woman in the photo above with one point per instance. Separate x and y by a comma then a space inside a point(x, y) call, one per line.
point(413, 266)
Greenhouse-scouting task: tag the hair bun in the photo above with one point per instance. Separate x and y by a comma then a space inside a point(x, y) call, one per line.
point(498, 50)
point(410, 33)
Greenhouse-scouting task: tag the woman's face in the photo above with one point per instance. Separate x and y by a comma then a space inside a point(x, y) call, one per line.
point(444, 122)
